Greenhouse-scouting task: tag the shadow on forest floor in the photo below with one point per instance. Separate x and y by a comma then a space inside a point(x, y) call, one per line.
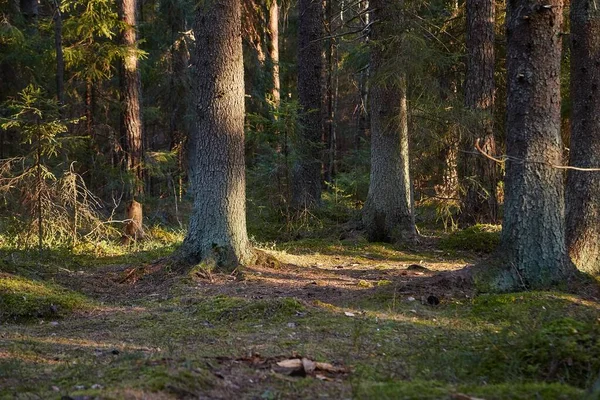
point(363, 309)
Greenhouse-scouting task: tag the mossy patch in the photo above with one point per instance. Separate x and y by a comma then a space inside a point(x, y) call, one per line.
point(480, 238)
point(232, 309)
point(26, 298)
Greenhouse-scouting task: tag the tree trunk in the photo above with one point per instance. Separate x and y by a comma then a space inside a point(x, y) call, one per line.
point(329, 95)
point(217, 232)
point(583, 188)
point(388, 212)
point(478, 174)
point(532, 253)
point(60, 61)
point(362, 113)
point(131, 120)
point(306, 179)
point(274, 52)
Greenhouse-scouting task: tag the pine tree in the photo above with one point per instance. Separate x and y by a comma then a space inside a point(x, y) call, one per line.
point(532, 252)
point(388, 212)
point(583, 187)
point(217, 229)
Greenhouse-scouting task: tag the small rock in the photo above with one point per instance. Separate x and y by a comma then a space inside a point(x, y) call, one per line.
point(54, 323)
point(433, 301)
point(96, 386)
point(411, 298)
point(79, 387)
point(348, 314)
point(55, 388)
point(291, 325)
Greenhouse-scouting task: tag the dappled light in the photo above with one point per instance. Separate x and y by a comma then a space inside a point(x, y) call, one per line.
point(311, 199)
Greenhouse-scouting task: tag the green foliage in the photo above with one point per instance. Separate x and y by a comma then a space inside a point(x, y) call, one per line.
point(479, 238)
point(26, 298)
point(35, 186)
point(88, 33)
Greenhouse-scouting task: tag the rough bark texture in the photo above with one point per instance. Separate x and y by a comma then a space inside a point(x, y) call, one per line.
point(532, 253)
point(583, 188)
point(306, 176)
point(131, 117)
point(274, 52)
point(388, 212)
point(217, 231)
point(479, 175)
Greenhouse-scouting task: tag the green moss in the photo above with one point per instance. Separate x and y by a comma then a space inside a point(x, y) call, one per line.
point(438, 391)
point(401, 390)
point(232, 309)
point(181, 382)
point(565, 349)
point(479, 238)
point(26, 298)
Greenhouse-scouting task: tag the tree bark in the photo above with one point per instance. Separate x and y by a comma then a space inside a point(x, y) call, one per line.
point(306, 176)
point(479, 175)
point(388, 212)
point(532, 253)
point(217, 231)
point(273, 26)
point(131, 120)
point(583, 188)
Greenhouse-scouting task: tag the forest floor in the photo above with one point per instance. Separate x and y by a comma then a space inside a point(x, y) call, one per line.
point(335, 320)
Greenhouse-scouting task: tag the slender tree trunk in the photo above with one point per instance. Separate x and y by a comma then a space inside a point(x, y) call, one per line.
point(217, 231)
point(131, 124)
point(306, 177)
point(60, 61)
point(479, 175)
point(583, 188)
point(362, 124)
point(532, 253)
point(388, 212)
point(329, 97)
point(273, 26)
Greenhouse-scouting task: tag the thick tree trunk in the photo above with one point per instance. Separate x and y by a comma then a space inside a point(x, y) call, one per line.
point(583, 187)
point(479, 175)
point(274, 52)
point(217, 231)
point(131, 120)
point(306, 177)
point(388, 212)
point(532, 253)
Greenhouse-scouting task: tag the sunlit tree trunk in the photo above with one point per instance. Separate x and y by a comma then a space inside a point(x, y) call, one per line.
point(532, 252)
point(479, 176)
point(131, 120)
point(583, 188)
point(388, 212)
point(306, 176)
point(217, 230)
point(273, 27)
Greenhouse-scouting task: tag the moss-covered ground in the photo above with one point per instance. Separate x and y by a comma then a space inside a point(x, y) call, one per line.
point(73, 327)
